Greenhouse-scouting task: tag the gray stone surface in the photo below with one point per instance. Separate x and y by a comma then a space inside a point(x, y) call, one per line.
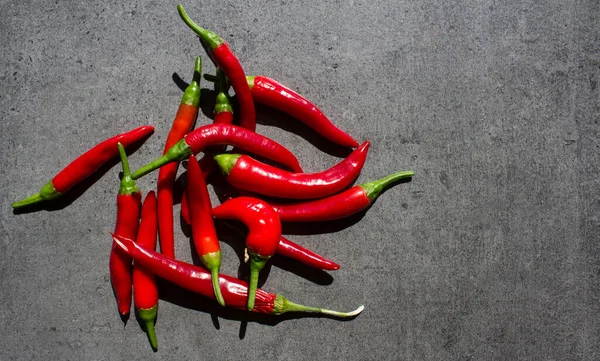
point(490, 253)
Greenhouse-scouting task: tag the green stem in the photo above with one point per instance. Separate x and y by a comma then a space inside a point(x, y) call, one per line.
point(222, 104)
point(210, 39)
point(178, 152)
point(374, 188)
point(128, 185)
point(45, 194)
point(148, 316)
point(214, 274)
point(191, 96)
point(283, 305)
point(257, 263)
point(226, 161)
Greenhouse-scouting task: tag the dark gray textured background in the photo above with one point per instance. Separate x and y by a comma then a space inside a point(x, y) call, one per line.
point(489, 253)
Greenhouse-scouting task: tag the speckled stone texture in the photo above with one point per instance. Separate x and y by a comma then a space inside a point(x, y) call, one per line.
point(490, 253)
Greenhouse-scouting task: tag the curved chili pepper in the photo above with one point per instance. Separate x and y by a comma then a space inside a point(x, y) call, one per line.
point(285, 247)
point(264, 231)
point(203, 227)
point(182, 124)
point(84, 165)
point(198, 280)
point(222, 134)
point(128, 215)
point(271, 93)
point(224, 58)
point(340, 205)
point(145, 292)
point(246, 173)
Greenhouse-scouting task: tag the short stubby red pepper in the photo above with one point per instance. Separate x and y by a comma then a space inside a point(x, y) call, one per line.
point(246, 173)
point(264, 232)
point(204, 233)
point(271, 93)
point(224, 58)
point(84, 166)
point(145, 291)
point(197, 279)
point(222, 134)
point(184, 121)
point(344, 204)
point(128, 216)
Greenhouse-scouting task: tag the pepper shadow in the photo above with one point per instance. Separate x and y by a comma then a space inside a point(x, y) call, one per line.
point(77, 191)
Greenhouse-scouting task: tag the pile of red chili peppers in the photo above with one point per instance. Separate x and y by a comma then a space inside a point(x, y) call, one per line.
point(321, 196)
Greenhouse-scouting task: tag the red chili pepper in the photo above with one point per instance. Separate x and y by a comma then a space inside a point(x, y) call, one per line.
point(203, 227)
point(246, 173)
point(198, 280)
point(271, 93)
point(182, 124)
point(84, 166)
point(128, 215)
point(340, 205)
point(285, 247)
point(145, 292)
point(264, 232)
point(224, 58)
point(222, 134)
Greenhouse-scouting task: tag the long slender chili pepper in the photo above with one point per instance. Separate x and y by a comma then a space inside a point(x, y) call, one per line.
point(264, 232)
point(145, 292)
point(285, 247)
point(246, 173)
point(271, 93)
point(128, 215)
point(224, 58)
point(340, 205)
point(198, 280)
point(84, 165)
point(203, 227)
point(222, 134)
point(182, 124)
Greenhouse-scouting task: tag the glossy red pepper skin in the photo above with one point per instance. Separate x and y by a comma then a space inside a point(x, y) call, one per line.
point(145, 291)
point(198, 280)
point(184, 121)
point(224, 58)
point(339, 205)
point(275, 95)
point(246, 173)
point(128, 215)
point(271, 93)
point(85, 165)
point(264, 232)
point(222, 134)
point(204, 233)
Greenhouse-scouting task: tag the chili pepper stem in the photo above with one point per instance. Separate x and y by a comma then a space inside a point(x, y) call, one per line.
point(212, 261)
point(178, 152)
point(257, 263)
point(374, 188)
point(210, 39)
point(226, 162)
point(283, 305)
point(148, 316)
point(191, 94)
point(128, 185)
point(46, 193)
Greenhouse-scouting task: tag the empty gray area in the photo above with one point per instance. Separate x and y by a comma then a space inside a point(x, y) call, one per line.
point(489, 253)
